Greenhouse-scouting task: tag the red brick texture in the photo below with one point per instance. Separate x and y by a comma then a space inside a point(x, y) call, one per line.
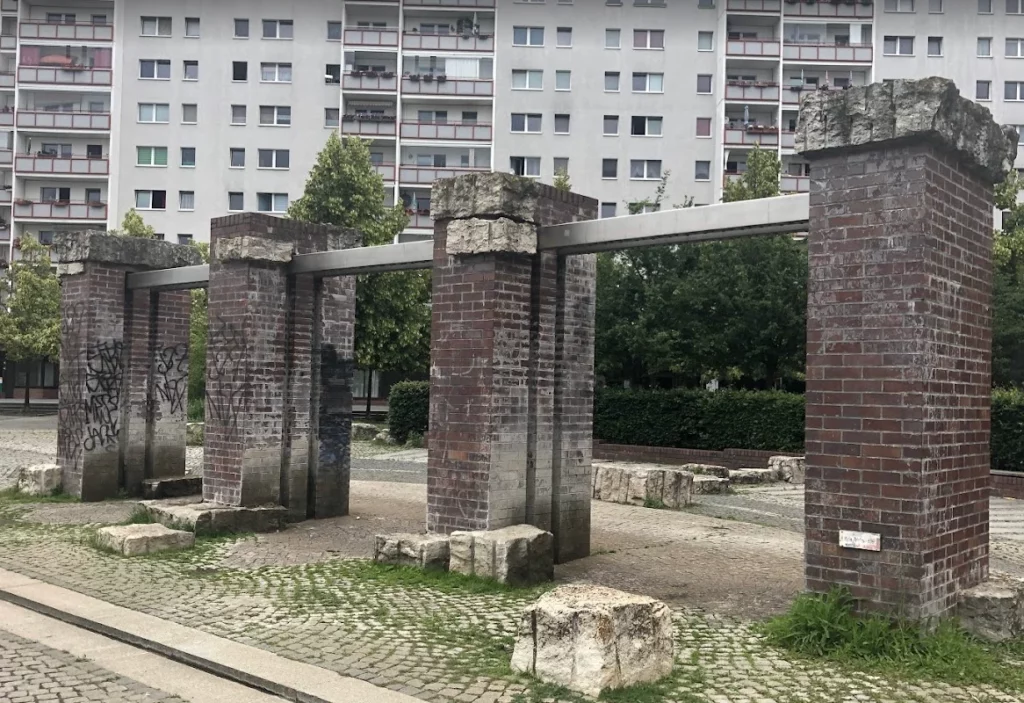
point(898, 376)
point(1008, 484)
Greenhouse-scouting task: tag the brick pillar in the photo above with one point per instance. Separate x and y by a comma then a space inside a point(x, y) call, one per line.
point(104, 426)
point(899, 341)
point(512, 343)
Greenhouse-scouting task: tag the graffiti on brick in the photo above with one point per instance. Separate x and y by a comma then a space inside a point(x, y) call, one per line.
point(226, 382)
point(71, 409)
point(103, 370)
point(170, 377)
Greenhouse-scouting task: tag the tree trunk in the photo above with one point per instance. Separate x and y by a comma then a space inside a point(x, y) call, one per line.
point(28, 389)
point(369, 390)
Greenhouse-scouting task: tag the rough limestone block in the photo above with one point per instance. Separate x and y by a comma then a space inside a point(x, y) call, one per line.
point(993, 610)
point(40, 480)
point(592, 639)
point(478, 236)
point(485, 195)
point(903, 110)
point(706, 469)
point(363, 432)
point(643, 484)
point(788, 468)
point(710, 485)
point(752, 476)
point(205, 517)
point(101, 247)
point(195, 433)
point(247, 248)
point(519, 555)
point(407, 549)
point(132, 540)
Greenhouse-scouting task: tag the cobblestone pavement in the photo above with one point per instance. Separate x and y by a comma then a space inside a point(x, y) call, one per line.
point(33, 673)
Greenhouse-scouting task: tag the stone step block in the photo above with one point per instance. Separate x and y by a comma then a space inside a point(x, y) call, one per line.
point(40, 480)
point(752, 476)
point(788, 468)
point(133, 540)
point(710, 485)
point(592, 639)
point(408, 549)
point(993, 610)
point(201, 517)
point(642, 484)
point(519, 555)
point(177, 487)
point(706, 470)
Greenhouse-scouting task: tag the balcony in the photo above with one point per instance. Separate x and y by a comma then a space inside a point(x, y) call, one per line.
point(5, 196)
point(60, 210)
point(8, 42)
point(7, 80)
point(442, 85)
point(369, 126)
point(66, 32)
point(792, 95)
point(80, 76)
point(751, 135)
point(419, 219)
point(768, 48)
point(795, 184)
point(45, 165)
point(448, 42)
point(426, 175)
point(370, 81)
point(6, 157)
point(842, 53)
point(378, 36)
point(8, 5)
point(788, 140)
point(450, 131)
point(6, 117)
point(859, 9)
point(74, 121)
point(450, 3)
point(385, 171)
point(772, 6)
point(746, 91)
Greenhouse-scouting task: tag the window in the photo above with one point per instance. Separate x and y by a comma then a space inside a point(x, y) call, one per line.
point(49, 195)
point(155, 69)
point(236, 202)
point(705, 41)
point(563, 80)
point(60, 18)
point(188, 157)
point(151, 199)
point(527, 80)
point(1014, 48)
point(277, 29)
point(276, 72)
point(237, 155)
point(984, 7)
point(560, 165)
point(648, 38)
point(1014, 7)
point(241, 29)
point(156, 26)
point(238, 114)
point(239, 70)
point(275, 115)
point(527, 36)
point(644, 170)
point(332, 117)
point(94, 151)
point(189, 113)
point(612, 38)
point(525, 165)
point(985, 47)
point(154, 112)
point(93, 195)
point(523, 122)
point(701, 170)
point(151, 156)
point(274, 158)
point(609, 168)
point(186, 200)
point(272, 202)
point(898, 46)
point(645, 126)
point(983, 90)
point(52, 149)
point(1013, 90)
point(935, 46)
point(611, 81)
point(703, 83)
point(563, 36)
point(934, 5)
point(191, 26)
point(561, 124)
point(899, 5)
point(333, 31)
point(190, 70)
point(648, 82)
point(611, 125)
point(185, 239)
point(607, 210)
point(703, 126)
point(332, 74)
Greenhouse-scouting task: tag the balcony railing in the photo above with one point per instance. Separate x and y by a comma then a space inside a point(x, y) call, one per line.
point(750, 136)
point(6, 157)
point(8, 42)
point(788, 140)
point(66, 32)
point(8, 5)
point(60, 210)
point(792, 95)
point(859, 9)
point(377, 84)
point(62, 166)
point(5, 196)
point(426, 175)
point(846, 53)
point(795, 184)
point(420, 219)
point(368, 128)
point(7, 80)
point(65, 76)
point(434, 85)
point(753, 47)
point(7, 118)
point(451, 131)
point(752, 92)
point(44, 119)
point(378, 36)
point(448, 42)
point(450, 3)
point(754, 6)
point(386, 171)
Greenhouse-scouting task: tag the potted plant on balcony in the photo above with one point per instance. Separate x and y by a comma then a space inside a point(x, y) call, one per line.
point(428, 77)
point(441, 78)
point(387, 74)
point(97, 203)
point(371, 74)
point(414, 77)
point(61, 203)
point(17, 242)
point(23, 202)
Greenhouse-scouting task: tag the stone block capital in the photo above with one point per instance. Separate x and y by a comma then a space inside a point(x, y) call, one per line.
point(479, 236)
point(133, 252)
point(252, 249)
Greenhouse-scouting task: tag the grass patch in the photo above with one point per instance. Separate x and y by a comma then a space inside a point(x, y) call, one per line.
point(140, 516)
point(196, 409)
point(656, 503)
point(826, 626)
point(443, 581)
point(13, 495)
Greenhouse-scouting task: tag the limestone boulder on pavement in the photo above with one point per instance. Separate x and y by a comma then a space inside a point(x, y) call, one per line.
point(519, 555)
point(40, 480)
point(791, 469)
point(642, 484)
point(408, 549)
point(133, 540)
point(993, 610)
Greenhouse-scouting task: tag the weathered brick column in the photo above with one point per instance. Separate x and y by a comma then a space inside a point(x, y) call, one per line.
point(899, 341)
point(109, 438)
point(511, 363)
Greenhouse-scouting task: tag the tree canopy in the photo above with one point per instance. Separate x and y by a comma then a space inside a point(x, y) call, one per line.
point(134, 226)
point(1008, 287)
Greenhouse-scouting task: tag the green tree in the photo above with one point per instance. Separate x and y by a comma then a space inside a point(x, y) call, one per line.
point(760, 180)
point(134, 226)
point(1008, 287)
point(30, 317)
point(197, 333)
point(562, 181)
point(638, 207)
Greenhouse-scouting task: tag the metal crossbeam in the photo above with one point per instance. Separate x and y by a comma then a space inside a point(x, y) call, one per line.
point(181, 278)
point(350, 262)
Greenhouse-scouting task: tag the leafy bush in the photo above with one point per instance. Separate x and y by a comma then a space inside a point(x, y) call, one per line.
point(1008, 430)
point(408, 409)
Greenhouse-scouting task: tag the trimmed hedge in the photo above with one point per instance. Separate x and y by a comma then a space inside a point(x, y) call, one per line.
point(1008, 430)
point(408, 409)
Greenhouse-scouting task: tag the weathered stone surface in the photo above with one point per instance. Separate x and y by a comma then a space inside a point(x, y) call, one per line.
point(903, 110)
point(363, 432)
point(407, 549)
point(591, 639)
point(485, 194)
point(384, 437)
point(132, 540)
point(40, 480)
point(176, 487)
point(94, 246)
point(642, 484)
point(706, 469)
point(194, 433)
point(519, 555)
point(788, 468)
point(204, 517)
point(751, 476)
point(246, 248)
point(479, 236)
point(709, 485)
point(993, 610)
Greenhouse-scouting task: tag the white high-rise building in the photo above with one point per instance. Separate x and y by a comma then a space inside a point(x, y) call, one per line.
point(192, 109)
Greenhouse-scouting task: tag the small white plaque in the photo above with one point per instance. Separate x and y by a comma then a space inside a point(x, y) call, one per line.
point(868, 541)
